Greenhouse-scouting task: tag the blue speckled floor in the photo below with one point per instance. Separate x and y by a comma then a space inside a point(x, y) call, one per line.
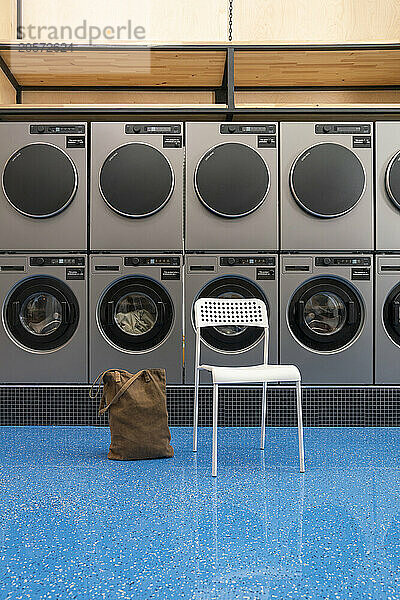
point(75, 525)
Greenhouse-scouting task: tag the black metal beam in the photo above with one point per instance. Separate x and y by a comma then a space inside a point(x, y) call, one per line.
point(230, 59)
point(7, 72)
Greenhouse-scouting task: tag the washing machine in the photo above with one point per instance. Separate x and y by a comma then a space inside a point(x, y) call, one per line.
point(43, 199)
point(135, 305)
point(230, 276)
point(43, 333)
point(231, 187)
point(136, 194)
point(326, 317)
point(387, 185)
point(387, 320)
point(327, 187)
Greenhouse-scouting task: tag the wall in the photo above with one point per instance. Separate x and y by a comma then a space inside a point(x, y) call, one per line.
point(163, 20)
point(311, 21)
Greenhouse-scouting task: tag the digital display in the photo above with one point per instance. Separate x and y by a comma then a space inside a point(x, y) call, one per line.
point(158, 129)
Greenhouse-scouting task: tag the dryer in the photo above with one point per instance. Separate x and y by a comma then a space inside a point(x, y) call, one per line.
point(135, 305)
point(388, 186)
point(231, 187)
point(387, 320)
point(230, 276)
point(326, 317)
point(43, 200)
point(136, 194)
point(43, 333)
point(327, 187)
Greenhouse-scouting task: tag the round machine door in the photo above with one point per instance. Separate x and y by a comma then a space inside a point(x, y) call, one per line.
point(232, 180)
point(39, 180)
point(393, 179)
point(325, 314)
point(41, 314)
point(136, 180)
point(391, 314)
point(231, 338)
point(327, 180)
point(136, 314)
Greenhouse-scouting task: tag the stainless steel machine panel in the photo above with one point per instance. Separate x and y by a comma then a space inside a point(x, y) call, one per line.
point(388, 186)
point(327, 187)
point(232, 187)
point(135, 305)
point(43, 332)
point(387, 320)
point(326, 317)
point(43, 200)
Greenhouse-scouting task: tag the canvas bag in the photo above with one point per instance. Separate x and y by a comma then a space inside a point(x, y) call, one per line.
point(137, 413)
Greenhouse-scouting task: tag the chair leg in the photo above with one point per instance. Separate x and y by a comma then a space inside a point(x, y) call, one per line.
point(215, 427)
point(300, 426)
point(196, 409)
point(263, 414)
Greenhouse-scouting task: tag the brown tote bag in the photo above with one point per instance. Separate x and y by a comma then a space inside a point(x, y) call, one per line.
point(137, 413)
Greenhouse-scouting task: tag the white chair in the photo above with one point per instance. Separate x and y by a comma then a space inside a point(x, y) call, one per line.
point(251, 312)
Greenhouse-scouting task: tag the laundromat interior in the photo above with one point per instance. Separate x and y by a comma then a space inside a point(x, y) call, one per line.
point(200, 300)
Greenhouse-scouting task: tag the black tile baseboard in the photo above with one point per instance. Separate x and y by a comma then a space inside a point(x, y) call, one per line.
point(238, 406)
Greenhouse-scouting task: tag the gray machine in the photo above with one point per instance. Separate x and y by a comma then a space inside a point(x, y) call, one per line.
point(136, 318)
point(232, 187)
point(387, 320)
point(327, 317)
point(43, 199)
point(327, 187)
point(230, 276)
point(137, 187)
point(43, 333)
point(388, 185)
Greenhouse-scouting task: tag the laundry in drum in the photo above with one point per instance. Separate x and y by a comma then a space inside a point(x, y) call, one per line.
point(136, 315)
point(41, 314)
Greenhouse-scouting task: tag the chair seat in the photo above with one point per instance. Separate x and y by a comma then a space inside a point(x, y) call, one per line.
point(255, 374)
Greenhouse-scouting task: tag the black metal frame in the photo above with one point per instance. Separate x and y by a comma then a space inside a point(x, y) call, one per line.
point(224, 94)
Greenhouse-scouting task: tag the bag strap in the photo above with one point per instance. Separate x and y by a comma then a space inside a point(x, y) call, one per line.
point(103, 408)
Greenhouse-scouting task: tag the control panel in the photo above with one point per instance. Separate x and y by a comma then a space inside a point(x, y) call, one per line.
point(343, 128)
point(329, 261)
point(136, 128)
point(57, 129)
point(151, 261)
point(56, 261)
point(249, 261)
point(257, 128)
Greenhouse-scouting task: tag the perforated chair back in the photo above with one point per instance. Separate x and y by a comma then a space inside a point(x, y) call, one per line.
point(215, 312)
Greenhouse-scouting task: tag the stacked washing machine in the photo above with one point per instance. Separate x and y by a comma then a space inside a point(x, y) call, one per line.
point(136, 243)
point(43, 243)
point(327, 240)
point(281, 212)
point(231, 234)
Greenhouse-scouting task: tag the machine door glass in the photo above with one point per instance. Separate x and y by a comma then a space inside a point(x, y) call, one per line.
point(41, 313)
point(325, 314)
point(232, 180)
point(231, 338)
point(136, 180)
point(40, 180)
point(327, 180)
point(136, 314)
point(393, 179)
point(391, 314)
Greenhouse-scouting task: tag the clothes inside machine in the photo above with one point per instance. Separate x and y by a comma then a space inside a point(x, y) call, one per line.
point(135, 305)
point(326, 317)
point(230, 276)
point(327, 187)
point(43, 333)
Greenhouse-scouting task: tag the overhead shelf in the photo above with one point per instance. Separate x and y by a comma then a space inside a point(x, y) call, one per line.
point(200, 78)
point(358, 65)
